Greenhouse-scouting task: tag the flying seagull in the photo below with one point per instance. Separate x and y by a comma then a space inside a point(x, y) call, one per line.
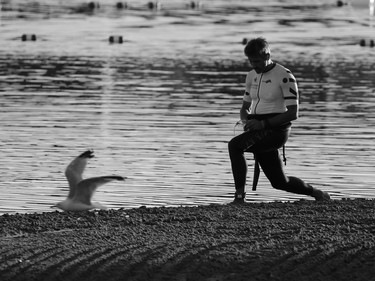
point(81, 190)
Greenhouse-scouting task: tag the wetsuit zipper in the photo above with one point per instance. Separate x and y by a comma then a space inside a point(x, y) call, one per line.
point(260, 82)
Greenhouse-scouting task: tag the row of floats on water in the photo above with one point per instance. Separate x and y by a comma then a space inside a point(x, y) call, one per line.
point(362, 42)
point(156, 5)
point(119, 39)
point(111, 39)
point(151, 5)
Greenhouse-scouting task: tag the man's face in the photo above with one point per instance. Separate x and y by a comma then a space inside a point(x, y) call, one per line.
point(258, 63)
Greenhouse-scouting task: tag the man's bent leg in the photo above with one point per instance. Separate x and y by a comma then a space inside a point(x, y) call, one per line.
point(239, 164)
point(236, 147)
point(273, 168)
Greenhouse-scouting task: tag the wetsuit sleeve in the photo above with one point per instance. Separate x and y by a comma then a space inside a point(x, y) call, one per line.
point(246, 96)
point(289, 88)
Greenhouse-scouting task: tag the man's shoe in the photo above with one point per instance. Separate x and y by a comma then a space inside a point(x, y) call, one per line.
point(239, 198)
point(320, 195)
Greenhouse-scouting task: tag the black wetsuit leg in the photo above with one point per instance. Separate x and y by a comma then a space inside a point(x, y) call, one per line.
point(272, 167)
point(265, 145)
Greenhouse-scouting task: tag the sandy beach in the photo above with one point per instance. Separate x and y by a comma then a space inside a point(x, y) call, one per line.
point(159, 109)
point(302, 240)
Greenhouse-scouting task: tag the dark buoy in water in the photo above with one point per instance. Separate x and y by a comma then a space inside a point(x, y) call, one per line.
point(156, 5)
point(116, 39)
point(121, 5)
point(93, 5)
point(195, 5)
point(341, 3)
point(28, 37)
point(367, 43)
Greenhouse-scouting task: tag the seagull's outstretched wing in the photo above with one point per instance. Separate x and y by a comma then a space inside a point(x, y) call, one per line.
point(87, 187)
point(74, 171)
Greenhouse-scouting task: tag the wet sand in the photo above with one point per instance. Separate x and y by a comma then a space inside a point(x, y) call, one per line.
point(301, 240)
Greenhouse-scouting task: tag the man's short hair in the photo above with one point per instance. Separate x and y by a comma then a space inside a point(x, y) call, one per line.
point(257, 47)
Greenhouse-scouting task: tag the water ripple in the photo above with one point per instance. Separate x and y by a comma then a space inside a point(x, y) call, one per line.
point(161, 109)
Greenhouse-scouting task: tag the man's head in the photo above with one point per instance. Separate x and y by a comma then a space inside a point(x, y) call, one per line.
point(258, 52)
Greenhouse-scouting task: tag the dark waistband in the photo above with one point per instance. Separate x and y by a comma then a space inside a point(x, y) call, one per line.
point(260, 117)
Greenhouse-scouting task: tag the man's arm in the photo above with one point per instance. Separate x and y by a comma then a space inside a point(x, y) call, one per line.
point(282, 118)
point(275, 121)
point(245, 110)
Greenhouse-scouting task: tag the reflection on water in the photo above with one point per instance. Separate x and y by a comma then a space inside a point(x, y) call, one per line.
point(161, 107)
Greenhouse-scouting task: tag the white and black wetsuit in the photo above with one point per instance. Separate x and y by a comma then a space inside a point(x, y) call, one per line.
point(272, 91)
point(269, 93)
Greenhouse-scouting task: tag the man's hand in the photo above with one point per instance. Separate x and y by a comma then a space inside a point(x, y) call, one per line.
point(253, 125)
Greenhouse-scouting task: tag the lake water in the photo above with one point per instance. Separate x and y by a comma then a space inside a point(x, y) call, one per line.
point(161, 107)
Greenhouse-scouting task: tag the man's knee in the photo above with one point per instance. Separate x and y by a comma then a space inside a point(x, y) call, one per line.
point(281, 183)
point(232, 145)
